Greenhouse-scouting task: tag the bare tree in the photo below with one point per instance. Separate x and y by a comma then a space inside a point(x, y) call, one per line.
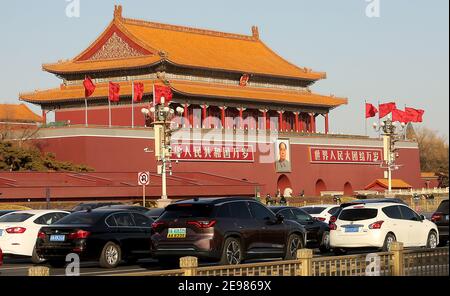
point(434, 151)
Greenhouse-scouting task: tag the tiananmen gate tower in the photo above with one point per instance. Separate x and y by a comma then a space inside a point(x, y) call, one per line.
point(244, 105)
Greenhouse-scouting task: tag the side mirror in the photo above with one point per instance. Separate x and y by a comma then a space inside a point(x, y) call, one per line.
point(422, 218)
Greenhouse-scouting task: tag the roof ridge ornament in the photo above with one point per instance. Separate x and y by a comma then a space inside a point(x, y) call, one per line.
point(118, 12)
point(255, 32)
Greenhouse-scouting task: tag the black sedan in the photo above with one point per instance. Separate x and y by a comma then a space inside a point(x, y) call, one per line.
point(317, 232)
point(440, 218)
point(106, 235)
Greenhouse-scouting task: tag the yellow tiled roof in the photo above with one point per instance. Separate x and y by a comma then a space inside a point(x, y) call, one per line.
point(75, 93)
point(396, 184)
point(18, 113)
point(192, 48)
point(255, 94)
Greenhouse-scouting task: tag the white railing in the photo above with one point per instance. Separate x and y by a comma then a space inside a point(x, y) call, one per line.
point(419, 191)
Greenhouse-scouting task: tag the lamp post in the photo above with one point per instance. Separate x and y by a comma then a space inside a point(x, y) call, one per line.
point(163, 116)
point(390, 137)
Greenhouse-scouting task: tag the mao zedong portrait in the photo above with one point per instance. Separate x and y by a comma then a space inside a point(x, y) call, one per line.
point(282, 163)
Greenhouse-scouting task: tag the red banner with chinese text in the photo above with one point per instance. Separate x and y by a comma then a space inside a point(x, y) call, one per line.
point(346, 155)
point(213, 152)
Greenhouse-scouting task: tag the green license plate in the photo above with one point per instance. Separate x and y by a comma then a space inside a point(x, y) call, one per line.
point(176, 233)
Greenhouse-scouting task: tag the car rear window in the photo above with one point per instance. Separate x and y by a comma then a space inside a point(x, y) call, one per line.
point(80, 218)
point(15, 217)
point(443, 207)
point(358, 214)
point(313, 210)
point(187, 211)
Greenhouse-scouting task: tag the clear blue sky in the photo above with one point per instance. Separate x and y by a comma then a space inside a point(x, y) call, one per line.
point(401, 56)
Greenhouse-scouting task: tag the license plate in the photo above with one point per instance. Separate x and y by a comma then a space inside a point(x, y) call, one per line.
point(446, 219)
point(176, 233)
point(352, 229)
point(1, 232)
point(57, 238)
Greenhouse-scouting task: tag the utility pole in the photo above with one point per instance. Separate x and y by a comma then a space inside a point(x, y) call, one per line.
point(163, 151)
point(390, 138)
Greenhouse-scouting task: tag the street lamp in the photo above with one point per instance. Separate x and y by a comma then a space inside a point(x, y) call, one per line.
point(162, 116)
point(390, 137)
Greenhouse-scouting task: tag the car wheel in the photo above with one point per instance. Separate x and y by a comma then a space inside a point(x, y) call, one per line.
point(110, 256)
point(325, 244)
point(232, 252)
point(294, 244)
point(390, 238)
point(432, 241)
point(35, 258)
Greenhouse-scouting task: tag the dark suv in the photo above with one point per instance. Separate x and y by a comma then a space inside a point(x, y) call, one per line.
point(440, 218)
point(229, 230)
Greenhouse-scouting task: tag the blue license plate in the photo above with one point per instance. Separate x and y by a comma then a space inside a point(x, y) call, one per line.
point(1, 232)
point(57, 238)
point(352, 229)
point(446, 219)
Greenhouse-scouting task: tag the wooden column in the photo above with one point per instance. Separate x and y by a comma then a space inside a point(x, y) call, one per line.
point(301, 127)
point(268, 127)
point(264, 123)
point(296, 122)
point(186, 116)
point(204, 115)
point(281, 127)
point(44, 116)
point(241, 118)
point(222, 115)
point(311, 123)
point(327, 127)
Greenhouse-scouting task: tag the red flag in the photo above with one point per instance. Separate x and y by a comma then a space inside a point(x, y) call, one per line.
point(114, 90)
point(414, 115)
point(138, 91)
point(161, 91)
point(385, 109)
point(371, 110)
point(89, 87)
point(399, 115)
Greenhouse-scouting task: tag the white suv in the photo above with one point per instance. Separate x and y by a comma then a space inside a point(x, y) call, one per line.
point(378, 225)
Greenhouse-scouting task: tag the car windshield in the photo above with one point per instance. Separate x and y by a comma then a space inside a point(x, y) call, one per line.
point(15, 217)
point(313, 210)
point(187, 211)
point(358, 214)
point(80, 218)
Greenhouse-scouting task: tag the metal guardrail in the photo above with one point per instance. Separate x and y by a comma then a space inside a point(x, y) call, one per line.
point(426, 263)
point(398, 262)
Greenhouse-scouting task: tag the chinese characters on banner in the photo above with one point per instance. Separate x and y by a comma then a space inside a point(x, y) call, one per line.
point(213, 152)
point(346, 155)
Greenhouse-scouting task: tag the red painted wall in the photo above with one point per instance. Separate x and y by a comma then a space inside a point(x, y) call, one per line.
point(120, 115)
point(110, 154)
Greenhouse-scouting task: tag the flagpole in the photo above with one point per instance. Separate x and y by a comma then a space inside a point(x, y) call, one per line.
point(365, 116)
point(132, 104)
point(86, 112)
point(109, 107)
point(379, 121)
